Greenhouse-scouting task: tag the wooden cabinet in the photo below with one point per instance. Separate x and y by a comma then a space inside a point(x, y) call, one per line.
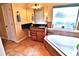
point(33, 34)
point(40, 35)
point(37, 34)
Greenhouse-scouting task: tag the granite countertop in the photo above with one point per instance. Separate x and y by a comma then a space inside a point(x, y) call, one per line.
point(30, 25)
point(38, 27)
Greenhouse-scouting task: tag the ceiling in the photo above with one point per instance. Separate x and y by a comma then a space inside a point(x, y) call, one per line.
point(28, 5)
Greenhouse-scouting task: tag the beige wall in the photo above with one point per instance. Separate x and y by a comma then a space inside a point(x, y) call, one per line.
point(22, 10)
point(48, 7)
point(29, 15)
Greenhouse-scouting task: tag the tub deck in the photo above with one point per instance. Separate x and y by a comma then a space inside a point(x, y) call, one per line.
point(57, 49)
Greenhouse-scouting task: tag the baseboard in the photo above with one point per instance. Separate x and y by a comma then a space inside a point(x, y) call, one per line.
point(21, 39)
point(3, 37)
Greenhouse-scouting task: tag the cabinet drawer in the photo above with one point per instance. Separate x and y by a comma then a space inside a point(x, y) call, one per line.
point(33, 34)
point(42, 30)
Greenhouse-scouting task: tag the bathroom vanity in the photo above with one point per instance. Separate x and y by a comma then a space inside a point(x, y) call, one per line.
point(37, 34)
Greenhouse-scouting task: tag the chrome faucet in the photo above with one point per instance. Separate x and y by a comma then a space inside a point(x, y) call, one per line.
point(77, 50)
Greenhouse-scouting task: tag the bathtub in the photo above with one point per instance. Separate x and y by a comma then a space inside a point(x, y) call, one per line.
point(64, 45)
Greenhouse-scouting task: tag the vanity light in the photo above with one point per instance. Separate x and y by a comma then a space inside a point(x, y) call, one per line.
point(18, 16)
point(36, 6)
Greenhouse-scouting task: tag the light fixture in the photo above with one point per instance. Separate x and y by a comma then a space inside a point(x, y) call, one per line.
point(36, 6)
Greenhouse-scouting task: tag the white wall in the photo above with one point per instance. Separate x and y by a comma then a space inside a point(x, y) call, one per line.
point(2, 52)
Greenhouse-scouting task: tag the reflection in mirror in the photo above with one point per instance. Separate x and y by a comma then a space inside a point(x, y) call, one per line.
point(39, 16)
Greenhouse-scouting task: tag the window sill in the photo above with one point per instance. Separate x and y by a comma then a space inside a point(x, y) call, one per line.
point(63, 30)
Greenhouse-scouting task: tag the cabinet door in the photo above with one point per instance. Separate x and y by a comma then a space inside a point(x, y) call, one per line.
point(40, 36)
point(33, 37)
point(33, 34)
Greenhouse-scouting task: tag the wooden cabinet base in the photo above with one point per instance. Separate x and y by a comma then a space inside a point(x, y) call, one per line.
point(37, 34)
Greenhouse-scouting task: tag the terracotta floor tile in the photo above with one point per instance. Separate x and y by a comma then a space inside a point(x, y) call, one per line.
point(28, 51)
point(27, 47)
point(11, 53)
point(20, 48)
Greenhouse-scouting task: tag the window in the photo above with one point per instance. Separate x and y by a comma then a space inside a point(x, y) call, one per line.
point(65, 17)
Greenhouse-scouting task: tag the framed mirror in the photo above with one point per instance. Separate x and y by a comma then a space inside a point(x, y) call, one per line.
point(39, 16)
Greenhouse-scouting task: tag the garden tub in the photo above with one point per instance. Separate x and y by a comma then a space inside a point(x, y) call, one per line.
point(63, 45)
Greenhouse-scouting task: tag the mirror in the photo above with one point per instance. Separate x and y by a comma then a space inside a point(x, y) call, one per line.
point(39, 16)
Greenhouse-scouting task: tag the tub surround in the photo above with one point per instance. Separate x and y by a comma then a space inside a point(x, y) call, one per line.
point(72, 33)
point(51, 49)
point(63, 30)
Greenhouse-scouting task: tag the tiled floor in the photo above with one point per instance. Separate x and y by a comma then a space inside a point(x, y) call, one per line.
point(25, 48)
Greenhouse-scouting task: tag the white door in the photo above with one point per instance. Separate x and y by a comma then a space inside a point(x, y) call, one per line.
point(2, 51)
point(9, 24)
